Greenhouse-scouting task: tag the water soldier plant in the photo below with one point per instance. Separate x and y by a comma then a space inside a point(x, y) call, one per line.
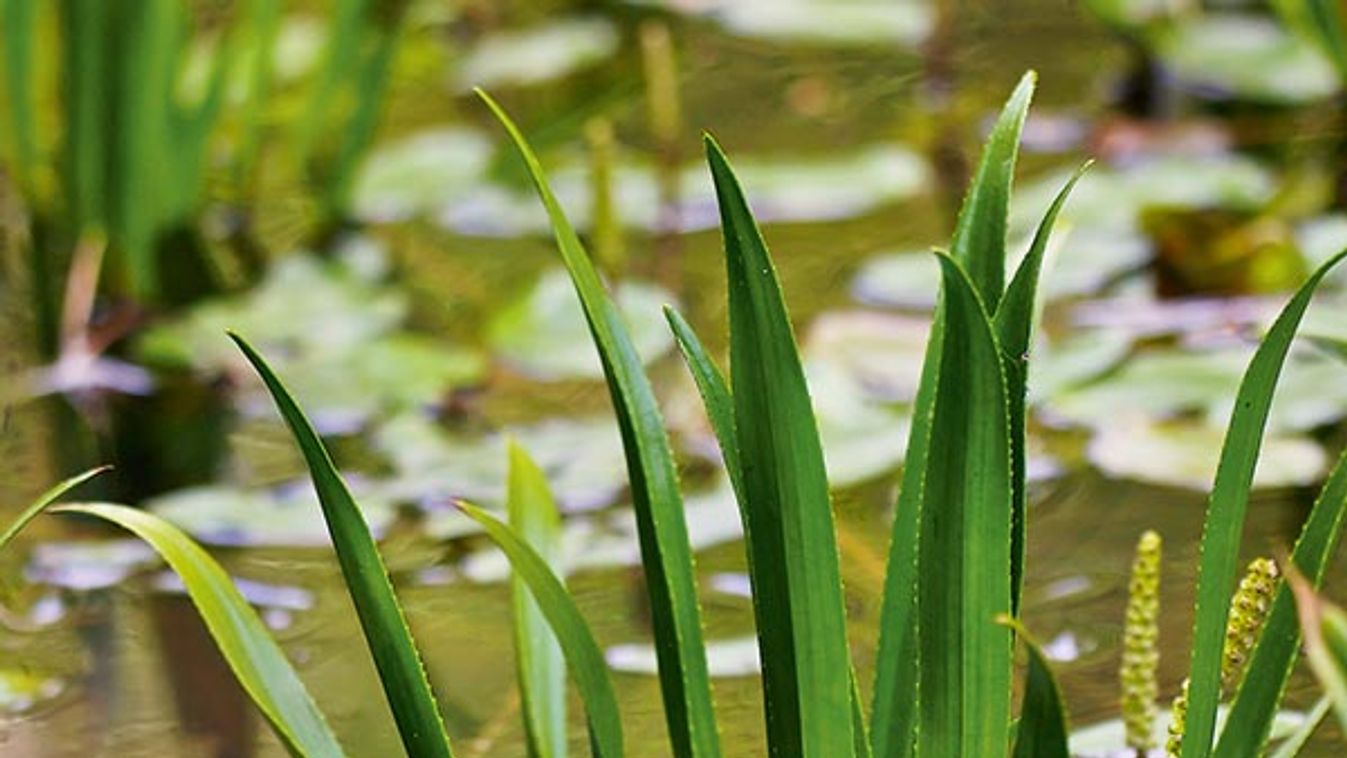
point(952, 598)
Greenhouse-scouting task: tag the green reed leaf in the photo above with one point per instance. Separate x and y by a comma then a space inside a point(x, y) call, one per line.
point(18, 31)
point(1325, 628)
point(1042, 731)
point(44, 500)
point(1014, 322)
point(964, 549)
point(1274, 655)
point(656, 498)
point(582, 653)
point(247, 646)
point(1295, 742)
point(792, 542)
point(539, 663)
point(979, 243)
point(1226, 509)
point(390, 641)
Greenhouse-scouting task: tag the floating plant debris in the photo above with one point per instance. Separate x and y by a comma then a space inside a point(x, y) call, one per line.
point(535, 56)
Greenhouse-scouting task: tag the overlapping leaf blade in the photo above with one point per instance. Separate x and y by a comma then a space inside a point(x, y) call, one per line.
point(390, 641)
point(583, 655)
point(1014, 322)
point(1226, 509)
point(44, 500)
point(247, 646)
point(1042, 731)
point(541, 668)
point(965, 676)
point(979, 243)
point(791, 540)
point(661, 526)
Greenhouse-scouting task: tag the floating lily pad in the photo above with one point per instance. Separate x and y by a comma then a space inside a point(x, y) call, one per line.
point(797, 190)
point(583, 460)
point(329, 328)
point(1157, 384)
point(861, 438)
point(88, 565)
point(824, 22)
point(882, 352)
point(534, 56)
point(420, 174)
point(1245, 56)
point(1185, 454)
point(1058, 366)
point(594, 542)
point(545, 334)
point(22, 690)
point(294, 53)
point(284, 517)
point(1111, 197)
point(1108, 739)
point(724, 658)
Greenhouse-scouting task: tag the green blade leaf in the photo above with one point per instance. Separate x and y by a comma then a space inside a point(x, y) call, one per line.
point(661, 526)
point(44, 500)
point(541, 667)
point(1325, 629)
point(1226, 509)
point(1275, 654)
point(792, 541)
point(719, 405)
point(964, 551)
point(390, 641)
point(979, 242)
point(583, 655)
point(1042, 731)
point(716, 398)
point(252, 654)
point(1014, 327)
point(1292, 745)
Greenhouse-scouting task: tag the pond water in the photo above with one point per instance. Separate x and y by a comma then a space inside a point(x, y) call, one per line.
point(442, 325)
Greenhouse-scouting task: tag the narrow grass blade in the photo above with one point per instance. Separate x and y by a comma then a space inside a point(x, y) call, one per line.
point(18, 26)
point(583, 655)
point(979, 242)
point(247, 646)
point(1292, 745)
point(716, 398)
point(1014, 327)
point(665, 551)
point(1042, 731)
point(390, 641)
point(44, 500)
point(1325, 629)
point(1321, 22)
point(719, 405)
point(964, 548)
point(1225, 515)
point(1274, 656)
point(541, 668)
point(792, 540)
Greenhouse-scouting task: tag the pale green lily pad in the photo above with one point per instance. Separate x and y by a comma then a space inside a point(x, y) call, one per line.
point(1246, 56)
point(1311, 393)
point(1156, 384)
point(1108, 739)
point(1185, 454)
point(728, 658)
point(331, 330)
point(818, 188)
point(583, 460)
point(534, 56)
point(593, 542)
point(21, 690)
point(297, 49)
point(89, 564)
point(289, 517)
point(824, 22)
point(1109, 198)
point(545, 335)
point(861, 438)
point(420, 174)
point(908, 279)
point(1058, 366)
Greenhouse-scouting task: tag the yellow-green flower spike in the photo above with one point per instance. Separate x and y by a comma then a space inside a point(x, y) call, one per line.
point(1178, 716)
point(1248, 611)
point(1141, 652)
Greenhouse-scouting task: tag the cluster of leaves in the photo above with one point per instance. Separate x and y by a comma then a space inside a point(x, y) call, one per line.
point(951, 602)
